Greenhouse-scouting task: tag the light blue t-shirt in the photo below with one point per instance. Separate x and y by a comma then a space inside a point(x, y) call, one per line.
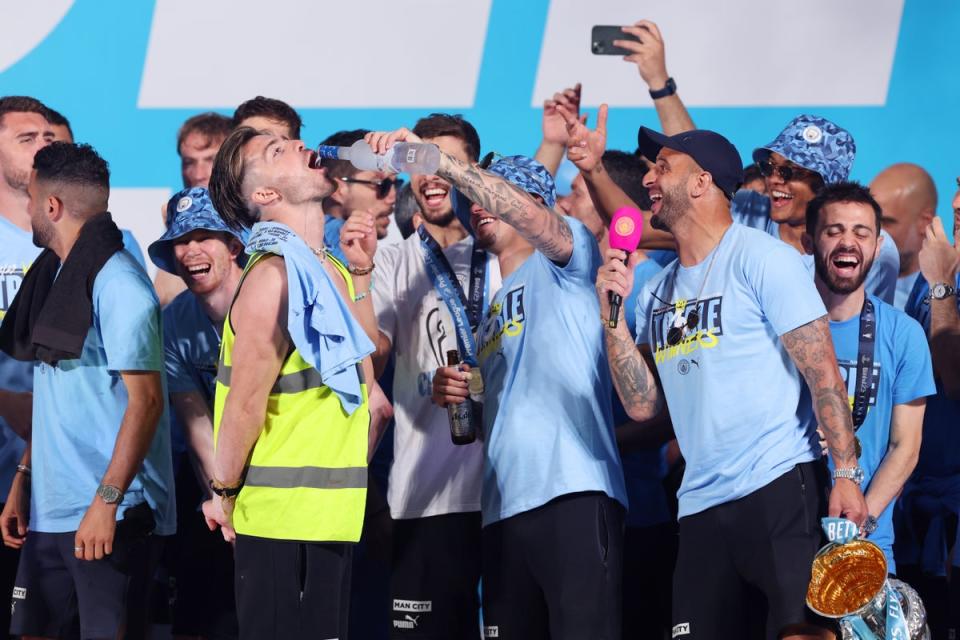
point(191, 348)
point(738, 404)
point(78, 406)
point(902, 373)
point(752, 209)
point(17, 253)
point(547, 423)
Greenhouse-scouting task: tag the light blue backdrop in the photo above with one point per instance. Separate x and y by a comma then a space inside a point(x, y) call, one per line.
point(90, 67)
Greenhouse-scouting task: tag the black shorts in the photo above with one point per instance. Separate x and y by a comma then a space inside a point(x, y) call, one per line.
point(554, 572)
point(58, 596)
point(435, 578)
point(291, 590)
point(201, 564)
point(757, 549)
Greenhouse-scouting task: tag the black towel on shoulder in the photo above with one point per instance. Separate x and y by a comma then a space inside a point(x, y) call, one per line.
point(50, 316)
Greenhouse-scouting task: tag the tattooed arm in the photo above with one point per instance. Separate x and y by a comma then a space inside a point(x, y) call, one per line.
point(811, 349)
point(543, 227)
point(632, 376)
point(631, 372)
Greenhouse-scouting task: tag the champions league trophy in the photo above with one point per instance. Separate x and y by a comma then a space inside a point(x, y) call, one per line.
point(849, 583)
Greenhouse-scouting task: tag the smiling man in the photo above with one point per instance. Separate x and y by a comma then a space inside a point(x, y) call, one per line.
point(202, 250)
point(881, 351)
point(742, 306)
point(810, 153)
point(434, 489)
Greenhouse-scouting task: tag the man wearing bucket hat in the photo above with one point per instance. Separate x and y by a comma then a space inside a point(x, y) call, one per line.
point(206, 254)
point(553, 491)
point(808, 154)
point(735, 311)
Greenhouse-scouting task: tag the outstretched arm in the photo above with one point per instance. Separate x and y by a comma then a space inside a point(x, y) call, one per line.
point(651, 61)
point(811, 348)
point(544, 228)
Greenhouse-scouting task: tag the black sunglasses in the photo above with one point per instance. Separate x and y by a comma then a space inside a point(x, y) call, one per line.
point(383, 186)
point(787, 172)
point(676, 334)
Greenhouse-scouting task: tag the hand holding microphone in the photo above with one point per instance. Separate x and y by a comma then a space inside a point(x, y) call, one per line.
point(626, 228)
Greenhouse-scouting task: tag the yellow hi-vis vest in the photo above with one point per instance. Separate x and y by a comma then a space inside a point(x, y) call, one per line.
point(307, 474)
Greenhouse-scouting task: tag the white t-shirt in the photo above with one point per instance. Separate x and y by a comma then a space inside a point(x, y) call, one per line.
point(430, 475)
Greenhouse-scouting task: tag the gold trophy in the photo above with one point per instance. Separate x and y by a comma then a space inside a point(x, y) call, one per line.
point(849, 583)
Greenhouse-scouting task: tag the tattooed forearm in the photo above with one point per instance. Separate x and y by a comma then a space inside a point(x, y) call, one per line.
point(811, 349)
point(546, 229)
point(632, 377)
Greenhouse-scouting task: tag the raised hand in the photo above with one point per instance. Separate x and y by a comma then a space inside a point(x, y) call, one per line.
point(380, 141)
point(938, 258)
point(616, 275)
point(554, 125)
point(358, 239)
point(648, 54)
point(585, 147)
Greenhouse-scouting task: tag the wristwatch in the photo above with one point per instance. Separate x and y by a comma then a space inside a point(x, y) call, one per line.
point(869, 525)
point(668, 90)
point(853, 473)
point(110, 494)
point(941, 290)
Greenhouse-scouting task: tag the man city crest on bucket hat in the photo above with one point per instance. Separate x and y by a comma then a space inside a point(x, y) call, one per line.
point(816, 144)
point(187, 211)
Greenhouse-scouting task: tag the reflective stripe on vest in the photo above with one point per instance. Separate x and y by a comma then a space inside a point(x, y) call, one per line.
point(307, 473)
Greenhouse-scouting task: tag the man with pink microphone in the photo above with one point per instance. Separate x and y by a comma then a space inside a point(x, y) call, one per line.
point(734, 327)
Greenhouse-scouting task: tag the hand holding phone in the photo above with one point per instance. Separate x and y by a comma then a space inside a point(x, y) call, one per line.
point(602, 37)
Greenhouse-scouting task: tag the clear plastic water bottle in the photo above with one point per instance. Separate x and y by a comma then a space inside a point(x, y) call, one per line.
point(402, 157)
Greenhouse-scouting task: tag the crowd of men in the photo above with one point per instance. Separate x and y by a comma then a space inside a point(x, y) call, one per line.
point(257, 443)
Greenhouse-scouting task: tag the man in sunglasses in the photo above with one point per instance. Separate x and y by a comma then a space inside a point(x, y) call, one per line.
point(735, 314)
point(374, 192)
point(810, 153)
point(881, 351)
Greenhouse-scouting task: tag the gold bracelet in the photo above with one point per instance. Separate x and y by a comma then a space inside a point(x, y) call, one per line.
point(360, 271)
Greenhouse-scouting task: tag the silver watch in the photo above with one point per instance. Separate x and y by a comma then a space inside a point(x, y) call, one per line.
point(853, 473)
point(110, 494)
point(941, 290)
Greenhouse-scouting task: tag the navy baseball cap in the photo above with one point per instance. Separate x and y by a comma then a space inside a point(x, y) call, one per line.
point(187, 211)
point(709, 149)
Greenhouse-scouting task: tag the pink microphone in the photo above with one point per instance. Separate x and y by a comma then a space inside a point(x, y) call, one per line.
point(625, 231)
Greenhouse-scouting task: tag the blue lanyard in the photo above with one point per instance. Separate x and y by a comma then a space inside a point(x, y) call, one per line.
point(868, 336)
point(466, 312)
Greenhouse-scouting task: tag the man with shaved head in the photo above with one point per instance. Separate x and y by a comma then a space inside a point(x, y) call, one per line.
point(908, 199)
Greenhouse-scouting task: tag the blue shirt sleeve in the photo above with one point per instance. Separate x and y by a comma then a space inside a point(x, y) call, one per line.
point(784, 288)
point(127, 313)
point(915, 368)
point(585, 257)
point(882, 278)
point(130, 244)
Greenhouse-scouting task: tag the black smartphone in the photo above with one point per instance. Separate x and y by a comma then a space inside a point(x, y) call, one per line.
point(602, 37)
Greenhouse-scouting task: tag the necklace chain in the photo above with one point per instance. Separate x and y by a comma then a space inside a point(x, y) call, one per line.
point(320, 253)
